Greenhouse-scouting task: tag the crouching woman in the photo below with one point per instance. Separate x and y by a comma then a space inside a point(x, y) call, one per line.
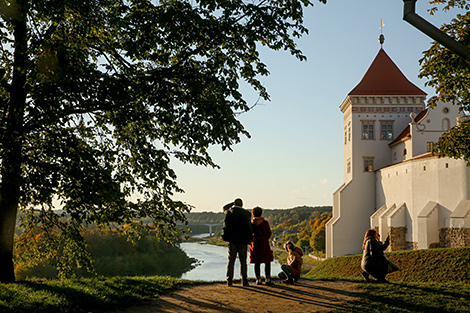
point(374, 262)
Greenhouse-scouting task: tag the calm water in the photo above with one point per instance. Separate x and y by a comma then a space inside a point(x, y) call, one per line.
point(214, 263)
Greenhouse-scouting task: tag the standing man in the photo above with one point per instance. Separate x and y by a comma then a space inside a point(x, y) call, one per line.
point(237, 231)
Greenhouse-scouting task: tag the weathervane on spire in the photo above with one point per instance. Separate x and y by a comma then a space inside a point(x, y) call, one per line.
point(381, 37)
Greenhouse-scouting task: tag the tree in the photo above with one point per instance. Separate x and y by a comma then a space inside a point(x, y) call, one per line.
point(449, 75)
point(304, 244)
point(97, 96)
point(318, 239)
point(455, 142)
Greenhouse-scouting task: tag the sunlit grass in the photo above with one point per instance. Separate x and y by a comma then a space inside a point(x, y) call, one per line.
point(411, 297)
point(433, 280)
point(81, 295)
point(411, 291)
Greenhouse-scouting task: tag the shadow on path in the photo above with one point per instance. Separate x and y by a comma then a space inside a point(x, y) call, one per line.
point(305, 296)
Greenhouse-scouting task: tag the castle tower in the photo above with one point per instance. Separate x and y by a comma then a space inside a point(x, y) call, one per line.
point(374, 114)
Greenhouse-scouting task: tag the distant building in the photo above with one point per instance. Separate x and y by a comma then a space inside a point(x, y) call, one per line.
point(392, 182)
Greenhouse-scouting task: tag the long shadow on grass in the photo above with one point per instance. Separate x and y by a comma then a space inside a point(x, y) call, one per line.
point(404, 297)
point(99, 294)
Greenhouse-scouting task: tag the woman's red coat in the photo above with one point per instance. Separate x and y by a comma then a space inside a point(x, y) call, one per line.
point(260, 250)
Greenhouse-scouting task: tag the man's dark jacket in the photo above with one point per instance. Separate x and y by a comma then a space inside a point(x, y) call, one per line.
point(237, 226)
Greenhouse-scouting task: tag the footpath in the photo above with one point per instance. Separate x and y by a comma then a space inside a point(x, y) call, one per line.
point(304, 296)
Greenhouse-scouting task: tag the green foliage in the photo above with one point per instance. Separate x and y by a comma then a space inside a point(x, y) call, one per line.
point(97, 97)
point(205, 217)
point(304, 226)
point(54, 250)
point(112, 253)
point(449, 75)
point(197, 222)
point(318, 239)
point(446, 72)
point(449, 265)
point(455, 142)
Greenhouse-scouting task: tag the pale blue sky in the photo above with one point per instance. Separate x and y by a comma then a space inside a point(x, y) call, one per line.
point(295, 155)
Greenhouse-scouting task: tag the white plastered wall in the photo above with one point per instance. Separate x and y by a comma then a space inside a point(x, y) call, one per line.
point(417, 183)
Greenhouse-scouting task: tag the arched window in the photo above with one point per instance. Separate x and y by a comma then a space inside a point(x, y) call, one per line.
point(445, 124)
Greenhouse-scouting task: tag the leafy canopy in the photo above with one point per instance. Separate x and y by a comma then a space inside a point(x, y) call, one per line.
point(449, 75)
point(97, 97)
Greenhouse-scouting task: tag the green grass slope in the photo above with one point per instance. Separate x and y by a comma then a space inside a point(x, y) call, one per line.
point(82, 295)
point(424, 266)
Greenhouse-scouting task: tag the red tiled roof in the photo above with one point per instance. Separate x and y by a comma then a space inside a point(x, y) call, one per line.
point(384, 78)
point(404, 134)
point(407, 132)
point(421, 115)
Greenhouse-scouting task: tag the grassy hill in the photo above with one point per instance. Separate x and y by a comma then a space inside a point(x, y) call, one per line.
point(424, 266)
point(434, 281)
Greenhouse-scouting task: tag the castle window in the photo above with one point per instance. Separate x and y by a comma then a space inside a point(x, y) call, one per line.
point(368, 164)
point(368, 130)
point(348, 166)
point(429, 146)
point(349, 131)
point(345, 136)
point(386, 130)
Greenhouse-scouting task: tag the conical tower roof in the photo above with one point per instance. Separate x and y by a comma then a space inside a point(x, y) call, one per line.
point(384, 78)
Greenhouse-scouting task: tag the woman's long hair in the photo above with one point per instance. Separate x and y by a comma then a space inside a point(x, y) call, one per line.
point(369, 233)
point(289, 246)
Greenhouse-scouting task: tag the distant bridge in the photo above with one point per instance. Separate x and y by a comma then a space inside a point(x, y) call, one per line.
point(210, 227)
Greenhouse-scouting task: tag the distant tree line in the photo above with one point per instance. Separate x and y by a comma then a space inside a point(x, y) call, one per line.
point(305, 225)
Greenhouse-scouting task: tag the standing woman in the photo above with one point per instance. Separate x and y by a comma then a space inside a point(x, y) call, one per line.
point(260, 250)
point(374, 262)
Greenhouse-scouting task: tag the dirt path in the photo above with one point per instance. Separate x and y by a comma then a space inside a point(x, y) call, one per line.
point(305, 296)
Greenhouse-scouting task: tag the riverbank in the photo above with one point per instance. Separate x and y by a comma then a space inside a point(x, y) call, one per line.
point(280, 255)
point(213, 263)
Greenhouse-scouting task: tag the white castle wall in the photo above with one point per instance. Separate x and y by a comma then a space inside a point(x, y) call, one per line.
point(418, 183)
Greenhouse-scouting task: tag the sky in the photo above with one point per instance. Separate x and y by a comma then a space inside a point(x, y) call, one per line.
point(295, 154)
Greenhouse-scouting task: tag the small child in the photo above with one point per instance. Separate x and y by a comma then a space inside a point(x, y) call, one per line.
point(292, 270)
point(260, 250)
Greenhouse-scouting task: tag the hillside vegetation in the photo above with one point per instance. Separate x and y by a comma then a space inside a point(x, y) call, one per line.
point(424, 266)
point(112, 252)
point(304, 225)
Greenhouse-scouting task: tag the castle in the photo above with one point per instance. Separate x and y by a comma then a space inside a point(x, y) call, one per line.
point(392, 181)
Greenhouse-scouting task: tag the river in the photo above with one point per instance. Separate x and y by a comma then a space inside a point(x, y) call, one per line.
point(214, 263)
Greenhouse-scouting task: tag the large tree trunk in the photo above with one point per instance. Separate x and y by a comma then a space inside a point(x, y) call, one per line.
point(8, 209)
point(9, 199)
point(12, 142)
